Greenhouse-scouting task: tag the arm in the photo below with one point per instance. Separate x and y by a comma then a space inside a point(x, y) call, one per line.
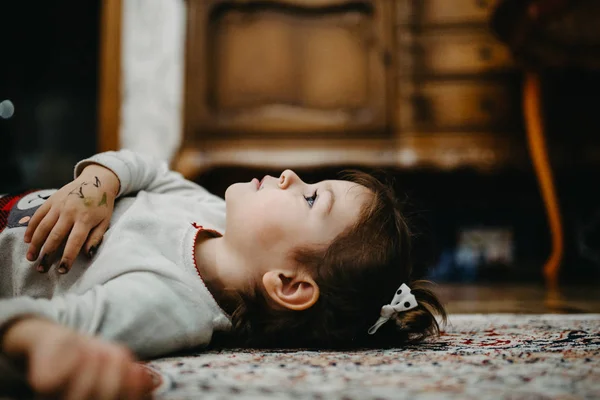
point(142, 172)
point(150, 314)
point(82, 209)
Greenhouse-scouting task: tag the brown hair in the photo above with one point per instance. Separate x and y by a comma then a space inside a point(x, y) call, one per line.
point(357, 274)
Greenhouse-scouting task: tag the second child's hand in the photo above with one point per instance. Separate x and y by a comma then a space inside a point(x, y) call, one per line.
point(64, 364)
point(79, 213)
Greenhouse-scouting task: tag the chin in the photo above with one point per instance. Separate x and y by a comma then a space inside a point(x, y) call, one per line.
point(237, 190)
point(231, 190)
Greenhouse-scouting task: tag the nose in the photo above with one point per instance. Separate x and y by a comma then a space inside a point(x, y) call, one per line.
point(288, 178)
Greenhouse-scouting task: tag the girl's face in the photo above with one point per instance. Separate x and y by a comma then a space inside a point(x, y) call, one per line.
point(268, 219)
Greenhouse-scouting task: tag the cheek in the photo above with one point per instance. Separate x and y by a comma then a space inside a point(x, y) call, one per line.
point(268, 219)
point(267, 222)
point(248, 211)
point(267, 235)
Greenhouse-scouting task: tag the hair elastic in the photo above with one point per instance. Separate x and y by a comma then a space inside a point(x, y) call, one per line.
point(403, 300)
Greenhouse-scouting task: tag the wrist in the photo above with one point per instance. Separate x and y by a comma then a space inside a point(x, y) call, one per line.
point(107, 177)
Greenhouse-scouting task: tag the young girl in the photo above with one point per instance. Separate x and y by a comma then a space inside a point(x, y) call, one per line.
point(292, 265)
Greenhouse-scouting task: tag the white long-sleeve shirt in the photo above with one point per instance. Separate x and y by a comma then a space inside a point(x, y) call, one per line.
point(142, 287)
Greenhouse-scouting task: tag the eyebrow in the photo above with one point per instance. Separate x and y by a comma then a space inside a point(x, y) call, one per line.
point(331, 199)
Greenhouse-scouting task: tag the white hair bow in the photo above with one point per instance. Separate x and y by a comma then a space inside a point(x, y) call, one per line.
point(403, 300)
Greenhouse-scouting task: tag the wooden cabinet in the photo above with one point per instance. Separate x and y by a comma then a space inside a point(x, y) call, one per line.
point(289, 83)
point(427, 13)
point(456, 105)
point(286, 68)
point(452, 52)
point(458, 97)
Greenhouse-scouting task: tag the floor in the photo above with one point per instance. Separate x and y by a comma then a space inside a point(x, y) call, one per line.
point(519, 298)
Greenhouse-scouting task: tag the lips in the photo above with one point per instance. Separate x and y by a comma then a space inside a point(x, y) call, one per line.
point(258, 183)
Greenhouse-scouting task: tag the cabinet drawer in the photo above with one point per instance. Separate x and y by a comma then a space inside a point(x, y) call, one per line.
point(452, 52)
point(441, 12)
point(458, 105)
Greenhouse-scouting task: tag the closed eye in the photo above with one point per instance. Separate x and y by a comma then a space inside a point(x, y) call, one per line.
point(311, 200)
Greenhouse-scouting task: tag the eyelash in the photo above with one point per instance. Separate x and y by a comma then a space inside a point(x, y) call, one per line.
point(313, 197)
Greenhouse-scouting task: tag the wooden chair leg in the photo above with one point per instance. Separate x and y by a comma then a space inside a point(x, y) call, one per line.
point(539, 157)
point(109, 96)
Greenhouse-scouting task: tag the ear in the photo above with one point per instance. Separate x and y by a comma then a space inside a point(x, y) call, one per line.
point(292, 290)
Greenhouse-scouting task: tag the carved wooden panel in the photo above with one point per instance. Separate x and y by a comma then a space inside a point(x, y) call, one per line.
point(286, 67)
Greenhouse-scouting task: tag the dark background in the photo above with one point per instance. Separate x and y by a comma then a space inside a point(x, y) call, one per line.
point(49, 70)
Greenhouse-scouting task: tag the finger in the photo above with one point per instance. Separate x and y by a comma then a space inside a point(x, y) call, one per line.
point(57, 235)
point(40, 235)
point(82, 378)
point(48, 259)
point(110, 378)
point(48, 377)
point(138, 383)
point(95, 238)
point(76, 239)
point(37, 217)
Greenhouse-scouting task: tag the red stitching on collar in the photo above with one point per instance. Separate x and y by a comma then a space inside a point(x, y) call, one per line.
point(200, 228)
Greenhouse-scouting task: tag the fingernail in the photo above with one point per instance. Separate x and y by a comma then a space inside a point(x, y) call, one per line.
point(92, 251)
point(43, 267)
point(31, 256)
point(62, 269)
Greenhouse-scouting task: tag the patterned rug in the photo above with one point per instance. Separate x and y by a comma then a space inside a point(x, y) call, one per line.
point(493, 356)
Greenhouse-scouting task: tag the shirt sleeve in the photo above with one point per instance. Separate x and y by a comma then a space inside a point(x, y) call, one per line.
point(142, 172)
point(149, 314)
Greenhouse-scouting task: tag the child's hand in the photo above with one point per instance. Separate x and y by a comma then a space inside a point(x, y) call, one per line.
point(81, 211)
point(65, 364)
